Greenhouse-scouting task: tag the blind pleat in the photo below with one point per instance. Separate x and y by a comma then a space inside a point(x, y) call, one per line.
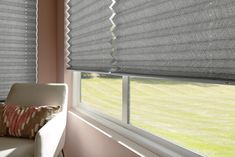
point(185, 38)
point(179, 38)
point(90, 36)
point(17, 43)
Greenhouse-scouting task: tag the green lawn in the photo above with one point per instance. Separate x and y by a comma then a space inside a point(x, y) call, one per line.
point(197, 116)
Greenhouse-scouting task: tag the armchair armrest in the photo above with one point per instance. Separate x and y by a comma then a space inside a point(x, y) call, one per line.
point(50, 138)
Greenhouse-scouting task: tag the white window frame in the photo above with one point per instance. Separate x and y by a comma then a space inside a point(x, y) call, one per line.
point(140, 141)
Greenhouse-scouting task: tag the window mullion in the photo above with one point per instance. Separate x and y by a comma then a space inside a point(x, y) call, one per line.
point(126, 99)
point(76, 88)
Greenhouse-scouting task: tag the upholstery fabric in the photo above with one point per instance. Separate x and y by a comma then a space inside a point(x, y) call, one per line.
point(2, 126)
point(16, 147)
point(25, 121)
point(50, 139)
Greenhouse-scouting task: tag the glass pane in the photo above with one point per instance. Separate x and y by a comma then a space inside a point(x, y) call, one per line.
point(197, 116)
point(103, 93)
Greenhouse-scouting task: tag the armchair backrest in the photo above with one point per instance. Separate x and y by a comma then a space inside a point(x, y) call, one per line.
point(38, 94)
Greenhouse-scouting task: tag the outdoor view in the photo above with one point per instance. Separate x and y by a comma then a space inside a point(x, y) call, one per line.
point(197, 116)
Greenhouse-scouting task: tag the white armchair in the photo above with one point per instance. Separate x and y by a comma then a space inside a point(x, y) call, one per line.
point(50, 139)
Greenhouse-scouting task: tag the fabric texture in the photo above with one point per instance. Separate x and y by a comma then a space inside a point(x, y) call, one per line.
point(2, 126)
point(50, 139)
point(25, 121)
point(18, 43)
point(16, 147)
point(176, 38)
point(90, 36)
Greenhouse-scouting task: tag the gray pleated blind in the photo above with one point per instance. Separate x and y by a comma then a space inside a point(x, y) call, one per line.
point(90, 36)
point(17, 43)
point(183, 38)
point(173, 38)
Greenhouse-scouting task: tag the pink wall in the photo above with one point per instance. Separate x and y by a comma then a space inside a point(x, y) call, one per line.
point(85, 141)
point(82, 140)
point(60, 41)
point(47, 38)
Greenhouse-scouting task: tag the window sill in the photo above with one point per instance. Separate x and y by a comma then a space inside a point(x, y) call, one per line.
point(131, 139)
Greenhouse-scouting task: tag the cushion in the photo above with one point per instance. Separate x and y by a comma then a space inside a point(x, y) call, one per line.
point(2, 126)
point(24, 121)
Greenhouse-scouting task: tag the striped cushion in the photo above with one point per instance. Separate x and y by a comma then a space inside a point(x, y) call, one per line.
point(24, 121)
point(2, 126)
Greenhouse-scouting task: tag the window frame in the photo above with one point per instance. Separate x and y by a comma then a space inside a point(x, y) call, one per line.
point(142, 141)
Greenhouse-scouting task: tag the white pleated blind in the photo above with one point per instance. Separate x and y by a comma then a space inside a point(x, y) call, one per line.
point(90, 36)
point(17, 43)
point(182, 38)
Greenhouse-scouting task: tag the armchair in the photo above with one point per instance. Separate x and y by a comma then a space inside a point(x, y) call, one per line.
point(50, 139)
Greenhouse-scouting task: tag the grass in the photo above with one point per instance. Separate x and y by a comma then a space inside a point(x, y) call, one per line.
point(200, 117)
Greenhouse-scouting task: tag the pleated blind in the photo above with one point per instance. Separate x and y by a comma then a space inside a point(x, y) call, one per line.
point(90, 36)
point(173, 38)
point(17, 43)
point(182, 38)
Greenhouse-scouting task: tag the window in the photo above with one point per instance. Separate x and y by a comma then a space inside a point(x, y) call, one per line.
point(97, 92)
point(18, 43)
point(196, 116)
point(188, 40)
